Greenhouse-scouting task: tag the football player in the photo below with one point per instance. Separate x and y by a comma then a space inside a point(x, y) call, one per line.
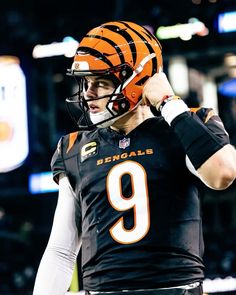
point(128, 180)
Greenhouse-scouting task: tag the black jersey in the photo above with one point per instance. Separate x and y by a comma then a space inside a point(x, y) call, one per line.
point(139, 206)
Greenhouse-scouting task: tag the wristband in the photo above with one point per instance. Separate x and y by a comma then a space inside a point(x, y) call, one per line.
point(166, 99)
point(171, 107)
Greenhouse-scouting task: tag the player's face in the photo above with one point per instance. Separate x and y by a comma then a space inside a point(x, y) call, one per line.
point(97, 86)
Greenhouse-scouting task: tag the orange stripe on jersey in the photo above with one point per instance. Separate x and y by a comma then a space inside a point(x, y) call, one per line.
point(209, 115)
point(194, 110)
point(72, 139)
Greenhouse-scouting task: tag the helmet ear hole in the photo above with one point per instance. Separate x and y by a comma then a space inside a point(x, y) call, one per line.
point(123, 105)
point(125, 73)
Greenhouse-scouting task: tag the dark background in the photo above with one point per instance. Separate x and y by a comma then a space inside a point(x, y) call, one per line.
point(25, 219)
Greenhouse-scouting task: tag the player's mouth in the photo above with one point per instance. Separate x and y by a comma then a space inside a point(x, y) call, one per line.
point(94, 109)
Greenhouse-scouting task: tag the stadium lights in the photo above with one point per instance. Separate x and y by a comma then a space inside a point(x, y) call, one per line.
point(67, 47)
point(228, 88)
point(219, 285)
point(178, 68)
point(183, 31)
point(41, 183)
point(227, 22)
point(209, 94)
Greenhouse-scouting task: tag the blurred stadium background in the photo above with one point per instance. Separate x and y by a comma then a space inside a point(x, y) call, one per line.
point(37, 37)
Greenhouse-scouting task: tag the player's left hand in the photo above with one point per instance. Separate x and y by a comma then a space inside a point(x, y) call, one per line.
point(156, 88)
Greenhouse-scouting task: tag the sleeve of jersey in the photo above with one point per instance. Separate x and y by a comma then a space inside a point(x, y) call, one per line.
point(202, 134)
point(57, 162)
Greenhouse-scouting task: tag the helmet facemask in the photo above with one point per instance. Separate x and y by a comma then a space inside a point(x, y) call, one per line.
point(117, 104)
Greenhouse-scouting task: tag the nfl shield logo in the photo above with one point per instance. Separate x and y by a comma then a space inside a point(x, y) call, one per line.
point(124, 143)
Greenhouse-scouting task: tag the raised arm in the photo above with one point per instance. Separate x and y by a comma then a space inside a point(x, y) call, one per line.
point(211, 155)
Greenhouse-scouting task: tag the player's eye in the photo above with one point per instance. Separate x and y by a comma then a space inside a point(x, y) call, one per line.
point(104, 84)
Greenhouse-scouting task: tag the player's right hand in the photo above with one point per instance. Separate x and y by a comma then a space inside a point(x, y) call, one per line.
point(156, 89)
